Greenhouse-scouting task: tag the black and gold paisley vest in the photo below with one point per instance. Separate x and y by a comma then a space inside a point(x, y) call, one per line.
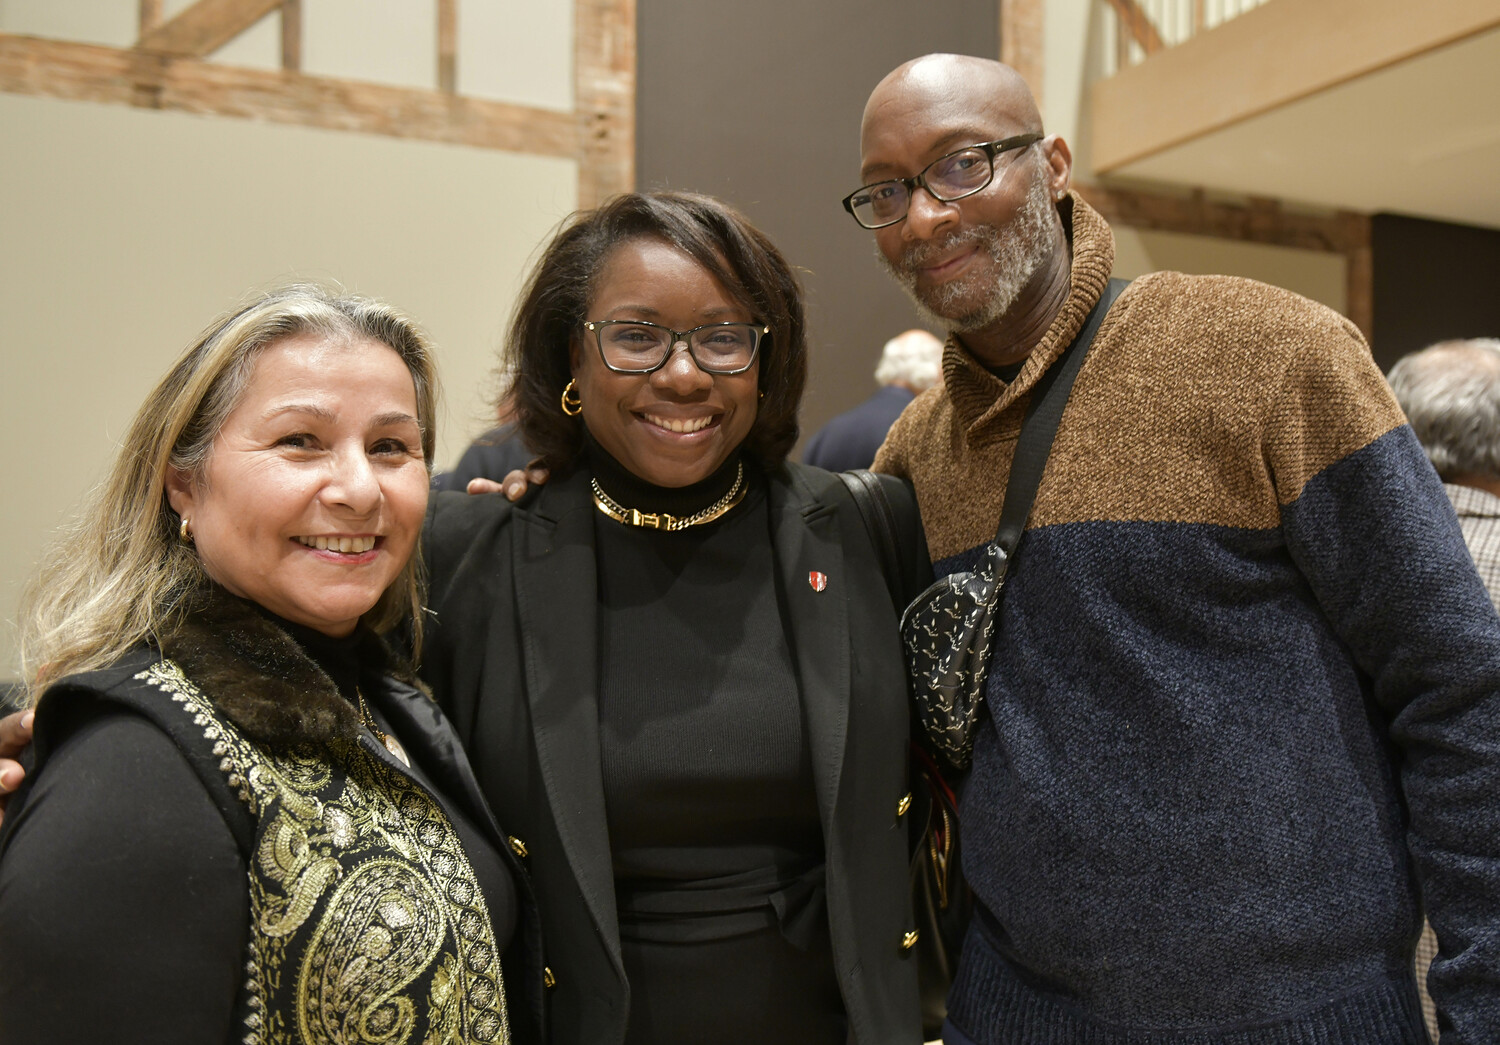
point(366, 922)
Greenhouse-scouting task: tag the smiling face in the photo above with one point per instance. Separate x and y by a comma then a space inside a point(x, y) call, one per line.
point(966, 262)
point(677, 425)
point(314, 492)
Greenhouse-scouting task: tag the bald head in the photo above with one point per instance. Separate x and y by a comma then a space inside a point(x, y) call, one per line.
point(986, 258)
point(952, 84)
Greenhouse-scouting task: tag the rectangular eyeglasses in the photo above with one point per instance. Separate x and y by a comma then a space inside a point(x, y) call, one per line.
point(634, 346)
point(947, 178)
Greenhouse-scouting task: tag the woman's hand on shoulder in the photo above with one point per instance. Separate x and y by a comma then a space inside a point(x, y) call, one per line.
point(513, 486)
point(15, 737)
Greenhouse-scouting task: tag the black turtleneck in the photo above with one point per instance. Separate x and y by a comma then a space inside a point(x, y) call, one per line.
point(713, 819)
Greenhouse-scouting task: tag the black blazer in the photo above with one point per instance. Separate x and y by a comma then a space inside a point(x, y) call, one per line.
point(511, 651)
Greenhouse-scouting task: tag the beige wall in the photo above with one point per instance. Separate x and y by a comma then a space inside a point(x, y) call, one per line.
point(127, 231)
point(1311, 273)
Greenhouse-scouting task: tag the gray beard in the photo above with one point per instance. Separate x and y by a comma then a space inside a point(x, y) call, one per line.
point(1018, 251)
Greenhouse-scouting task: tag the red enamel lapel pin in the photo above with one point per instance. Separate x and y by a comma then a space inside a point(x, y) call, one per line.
point(817, 581)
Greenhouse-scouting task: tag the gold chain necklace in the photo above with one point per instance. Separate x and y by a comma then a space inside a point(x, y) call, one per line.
point(391, 743)
point(661, 520)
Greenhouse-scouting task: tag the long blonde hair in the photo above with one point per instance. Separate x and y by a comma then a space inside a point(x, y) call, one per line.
point(118, 573)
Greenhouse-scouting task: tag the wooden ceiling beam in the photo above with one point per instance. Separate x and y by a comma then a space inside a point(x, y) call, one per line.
point(200, 30)
point(87, 72)
point(1256, 221)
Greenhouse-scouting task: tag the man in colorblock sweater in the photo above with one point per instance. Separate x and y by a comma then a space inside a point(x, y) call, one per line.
point(1244, 710)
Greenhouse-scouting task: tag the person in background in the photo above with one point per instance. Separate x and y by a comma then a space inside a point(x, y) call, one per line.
point(910, 363)
point(1244, 699)
point(1450, 393)
point(246, 820)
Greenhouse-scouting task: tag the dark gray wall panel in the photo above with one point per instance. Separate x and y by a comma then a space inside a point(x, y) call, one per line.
point(759, 103)
point(1433, 281)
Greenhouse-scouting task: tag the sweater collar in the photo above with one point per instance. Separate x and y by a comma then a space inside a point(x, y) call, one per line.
point(979, 397)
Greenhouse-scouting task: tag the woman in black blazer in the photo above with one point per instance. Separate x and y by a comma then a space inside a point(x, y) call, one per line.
point(676, 667)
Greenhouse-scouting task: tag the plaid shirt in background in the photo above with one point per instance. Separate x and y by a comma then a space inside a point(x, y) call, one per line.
point(1479, 515)
point(1479, 518)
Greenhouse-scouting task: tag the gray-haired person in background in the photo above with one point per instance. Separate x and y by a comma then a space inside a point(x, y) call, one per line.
point(1450, 392)
point(910, 363)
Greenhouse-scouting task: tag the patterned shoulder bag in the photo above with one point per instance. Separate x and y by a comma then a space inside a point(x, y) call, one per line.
point(948, 630)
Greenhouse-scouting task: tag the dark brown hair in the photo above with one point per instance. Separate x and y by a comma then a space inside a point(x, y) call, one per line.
point(553, 307)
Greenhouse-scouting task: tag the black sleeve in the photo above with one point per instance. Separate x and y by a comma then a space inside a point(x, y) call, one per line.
point(123, 904)
point(493, 455)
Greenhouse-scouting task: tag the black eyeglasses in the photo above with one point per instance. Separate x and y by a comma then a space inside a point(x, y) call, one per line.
point(947, 178)
point(634, 346)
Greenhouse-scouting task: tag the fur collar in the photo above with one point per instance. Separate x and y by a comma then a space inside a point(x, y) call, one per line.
point(261, 679)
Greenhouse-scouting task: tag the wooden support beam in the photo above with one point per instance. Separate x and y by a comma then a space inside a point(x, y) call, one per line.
point(206, 26)
point(1258, 220)
point(291, 35)
point(150, 15)
point(1022, 23)
point(1137, 24)
point(447, 35)
point(86, 72)
point(1359, 275)
point(604, 62)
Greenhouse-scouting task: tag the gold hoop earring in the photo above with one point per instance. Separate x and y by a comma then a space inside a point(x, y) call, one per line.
point(183, 533)
point(572, 402)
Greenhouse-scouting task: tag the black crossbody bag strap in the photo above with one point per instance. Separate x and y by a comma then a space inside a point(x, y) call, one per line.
point(880, 522)
point(1048, 399)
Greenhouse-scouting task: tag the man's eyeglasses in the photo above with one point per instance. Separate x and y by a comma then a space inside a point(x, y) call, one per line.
point(634, 346)
point(947, 178)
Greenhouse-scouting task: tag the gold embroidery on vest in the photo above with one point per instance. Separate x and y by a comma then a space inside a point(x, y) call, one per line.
point(372, 886)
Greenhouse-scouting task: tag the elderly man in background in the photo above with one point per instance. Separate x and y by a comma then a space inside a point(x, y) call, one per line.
point(1244, 702)
point(1450, 392)
point(910, 363)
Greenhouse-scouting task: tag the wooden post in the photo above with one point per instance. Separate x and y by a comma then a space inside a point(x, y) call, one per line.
point(447, 13)
point(291, 35)
point(150, 15)
point(604, 57)
point(1359, 274)
point(1022, 26)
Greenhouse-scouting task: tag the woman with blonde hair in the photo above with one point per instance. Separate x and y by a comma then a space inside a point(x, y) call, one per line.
point(246, 819)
